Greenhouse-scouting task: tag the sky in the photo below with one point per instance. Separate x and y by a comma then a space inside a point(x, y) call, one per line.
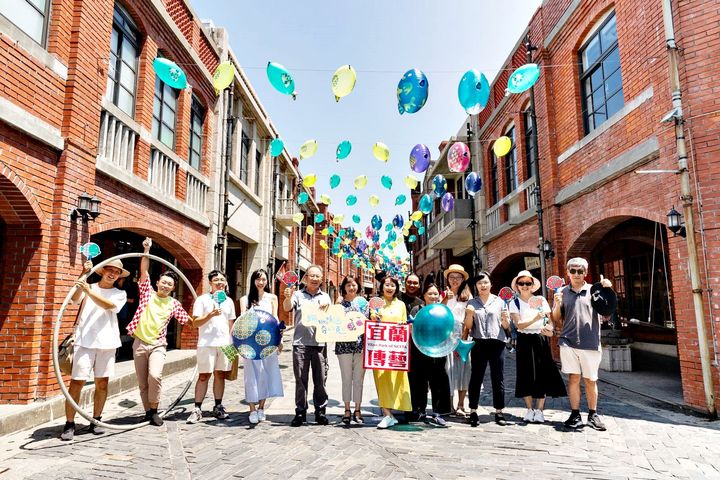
point(381, 40)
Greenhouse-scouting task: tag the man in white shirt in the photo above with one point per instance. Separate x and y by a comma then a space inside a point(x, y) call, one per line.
point(97, 336)
point(213, 315)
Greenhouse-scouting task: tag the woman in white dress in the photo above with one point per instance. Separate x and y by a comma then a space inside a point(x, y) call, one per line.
point(262, 377)
point(456, 297)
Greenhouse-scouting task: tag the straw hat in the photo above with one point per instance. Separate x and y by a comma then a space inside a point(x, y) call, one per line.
point(117, 264)
point(455, 268)
point(524, 273)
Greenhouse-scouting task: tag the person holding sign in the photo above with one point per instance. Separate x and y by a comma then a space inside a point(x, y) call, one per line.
point(579, 341)
point(307, 352)
point(262, 376)
point(393, 387)
point(149, 327)
point(537, 374)
point(350, 354)
point(213, 315)
point(487, 318)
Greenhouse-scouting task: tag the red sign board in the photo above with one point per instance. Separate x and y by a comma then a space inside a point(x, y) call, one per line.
point(387, 346)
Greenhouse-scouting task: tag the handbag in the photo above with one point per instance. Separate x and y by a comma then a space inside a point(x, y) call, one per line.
point(233, 373)
point(66, 349)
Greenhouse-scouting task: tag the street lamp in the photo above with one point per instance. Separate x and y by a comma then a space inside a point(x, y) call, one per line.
point(548, 249)
point(87, 207)
point(675, 224)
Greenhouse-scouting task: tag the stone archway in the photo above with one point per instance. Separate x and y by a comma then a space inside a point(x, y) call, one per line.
point(509, 266)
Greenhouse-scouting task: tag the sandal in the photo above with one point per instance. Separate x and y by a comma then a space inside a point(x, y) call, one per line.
point(358, 417)
point(346, 417)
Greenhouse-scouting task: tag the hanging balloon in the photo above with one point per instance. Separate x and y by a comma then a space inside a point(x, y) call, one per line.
point(356, 218)
point(502, 146)
point(302, 198)
point(223, 76)
point(523, 78)
point(398, 221)
point(417, 223)
point(419, 158)
point(276, 147)
point(433, 330)
point(343, 81)
point(319, 217)
point(360, 182)
point(324, 198)
point(90, 250)
point(388, 227)
point(458, 157)
point(400, 199)
point(411, 182)
point(412, 91)
point(298, 218)
point(421, 230)
point(170, 73)
point(308, 149)
point(412, 238)
point(323, 244)
point(281, 79)
point(381, 151)
point(386, 182)
point(417, 215)
point(439, 185)
point(426, 204)
point(343, 150)
point(350, 200)
point(339, 218)
point(334, 180)
point(392, 236)
point(447, 202)
point(309, 180)
point(473, 92)
point(369, 232)
point(309, 229)
point(376, 222)
point(473, 183)
point(374, 200)
point(331, 229)
point(325, 231)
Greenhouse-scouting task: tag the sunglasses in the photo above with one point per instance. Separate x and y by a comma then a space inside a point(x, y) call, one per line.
point(576, 271)
point(525, 284)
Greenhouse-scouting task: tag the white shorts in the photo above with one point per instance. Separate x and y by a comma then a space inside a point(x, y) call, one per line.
point(100, 361)
point(576, 361)
point(210, 359)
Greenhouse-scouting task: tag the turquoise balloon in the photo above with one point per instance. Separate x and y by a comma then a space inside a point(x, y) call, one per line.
point(351, 200)
point(276, 147)
point(334, 181)
point(281, 79)
point(432, 330)
point(386, 182)
point(473, 92)
point(302, 198)
point(341, 233)
point(343, 150)
point(463, 348)
point(417, 223)
point(170, 73)
point(523, 78)
point(319, 217)
point(331, 230)
point(400, 199)
point(356, 218)
point(426, 204)
point(392, 236)
point(412, 91)
point(388, 227)
point(421, 230)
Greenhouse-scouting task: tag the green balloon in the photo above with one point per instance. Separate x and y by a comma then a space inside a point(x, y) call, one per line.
point(386, 182)
point(400, 199)
point(302, 198)
point(334, 181)
point(356, 218)
point(351, 200)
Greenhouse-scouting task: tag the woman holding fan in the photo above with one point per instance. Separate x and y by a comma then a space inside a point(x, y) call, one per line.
point(537, 374)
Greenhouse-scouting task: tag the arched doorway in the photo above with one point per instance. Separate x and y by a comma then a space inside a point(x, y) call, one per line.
point(508, 267)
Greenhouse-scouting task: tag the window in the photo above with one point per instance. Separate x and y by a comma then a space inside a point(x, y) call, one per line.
point(122, 68)
point(494, 186)
point(258, 170)
point(511, 170)
point(600, 77)
point(164, 113)
point(244, 154)
point(530, 153)
point(30, 16)
point(197, 118)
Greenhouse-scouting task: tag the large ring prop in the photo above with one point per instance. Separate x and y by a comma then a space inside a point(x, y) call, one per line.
point(56, 333)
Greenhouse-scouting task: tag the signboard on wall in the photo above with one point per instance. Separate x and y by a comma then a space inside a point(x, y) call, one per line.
point(532, 263)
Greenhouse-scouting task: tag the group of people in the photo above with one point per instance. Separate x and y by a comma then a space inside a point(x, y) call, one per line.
point(479, 316)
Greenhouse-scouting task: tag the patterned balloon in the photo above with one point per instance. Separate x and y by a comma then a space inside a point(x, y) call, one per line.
point(425, 204)
point(458, 157)
point(473, 92)
point(439, 185)
point(473, 183)
point(447, 202)
point(419, 158)
point(376, 222)
point(256, 334)
point(281, 79)
point(412, 91)
point(523, 78)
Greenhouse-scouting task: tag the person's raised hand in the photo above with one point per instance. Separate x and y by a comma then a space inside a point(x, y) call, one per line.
point(605, 282)
point(147, 243)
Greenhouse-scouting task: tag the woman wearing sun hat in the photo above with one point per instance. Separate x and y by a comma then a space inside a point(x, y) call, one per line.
point(457, 295)
point(537, 374)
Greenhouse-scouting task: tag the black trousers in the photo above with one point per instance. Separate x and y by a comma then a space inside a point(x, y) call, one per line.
point(424, 371)
point(483, 352)
point(305, 358)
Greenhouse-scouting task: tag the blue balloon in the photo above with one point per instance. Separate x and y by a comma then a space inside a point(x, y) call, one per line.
point(276, 147)
point(343, 150)
point(281, 79)
point(412, 91)
point(170, 73)
point(473, 183)
point(376, 222)
point(256, 334)
point(426, 204)
point(523, 78)
point(398, 221)
point(473, 92)
point(439, 185)
point(463, 348)
point(432, 330)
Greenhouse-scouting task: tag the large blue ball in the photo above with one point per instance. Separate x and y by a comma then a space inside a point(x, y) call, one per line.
point(432, 330)
point(256, 334)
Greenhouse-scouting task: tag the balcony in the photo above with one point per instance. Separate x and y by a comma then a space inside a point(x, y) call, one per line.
point(286, 208)
point(516, 208)
point(196, 191)
point(451, 230)
point(305, 259)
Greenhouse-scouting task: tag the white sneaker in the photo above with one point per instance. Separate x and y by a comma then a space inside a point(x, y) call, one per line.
point(529, 416)
point(387, 422)
point(254, 417)
point(195, 416)
point(261, 415)
point(539, 417)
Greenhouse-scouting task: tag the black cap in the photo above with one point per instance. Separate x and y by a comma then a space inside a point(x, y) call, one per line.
point(603, 299)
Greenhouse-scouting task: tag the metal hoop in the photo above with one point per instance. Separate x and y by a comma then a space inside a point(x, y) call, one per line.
point(56, 332)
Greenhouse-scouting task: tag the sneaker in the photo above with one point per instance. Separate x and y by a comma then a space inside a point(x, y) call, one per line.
point(595, 422)
point(387, 422)
point(435, 420)
point(298, 419)
point(500, 419)
point(254, 417)
point(261, 415)
point(68, 432)
point(96, 429)
point(156, 420)
point(195, 416)
point(539, 417)
point(575, 421)
point(473, 419)
point(219, 412)
point(529, 416)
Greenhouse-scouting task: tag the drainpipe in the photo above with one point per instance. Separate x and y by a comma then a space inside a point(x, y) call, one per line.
point(687, 202)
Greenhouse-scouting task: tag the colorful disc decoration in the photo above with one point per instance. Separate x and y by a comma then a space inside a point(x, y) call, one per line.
point(256, 334)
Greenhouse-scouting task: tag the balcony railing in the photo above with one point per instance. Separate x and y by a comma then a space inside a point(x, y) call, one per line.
point(162, 172)
point(446, 231)
point(117, 141)
point(493, 216)
point(196, 192)
point(286, 206)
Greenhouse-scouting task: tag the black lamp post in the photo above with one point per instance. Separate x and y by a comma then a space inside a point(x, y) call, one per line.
point(675, 224)
point(87, 207)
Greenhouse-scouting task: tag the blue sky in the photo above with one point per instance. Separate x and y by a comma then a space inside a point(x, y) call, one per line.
point(381, 40)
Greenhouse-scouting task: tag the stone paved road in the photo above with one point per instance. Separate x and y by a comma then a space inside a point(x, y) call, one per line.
point(642, 441)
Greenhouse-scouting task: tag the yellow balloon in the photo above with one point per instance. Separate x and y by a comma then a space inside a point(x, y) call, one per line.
point(393, 244)
point(308, 149)
point(358, 235)
point(374, 200)
point(502, 146)
point(360, 182)
point(411, 182)
point(339, 218)
point(325, 199)
point(416, 215)
point(343, 81)
point(223, 76)
point(310, 230)
point(381, 151)
point(325, 231)
point(323, 244)
point(309, 180)
point(406, 231)
point(298, 218)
